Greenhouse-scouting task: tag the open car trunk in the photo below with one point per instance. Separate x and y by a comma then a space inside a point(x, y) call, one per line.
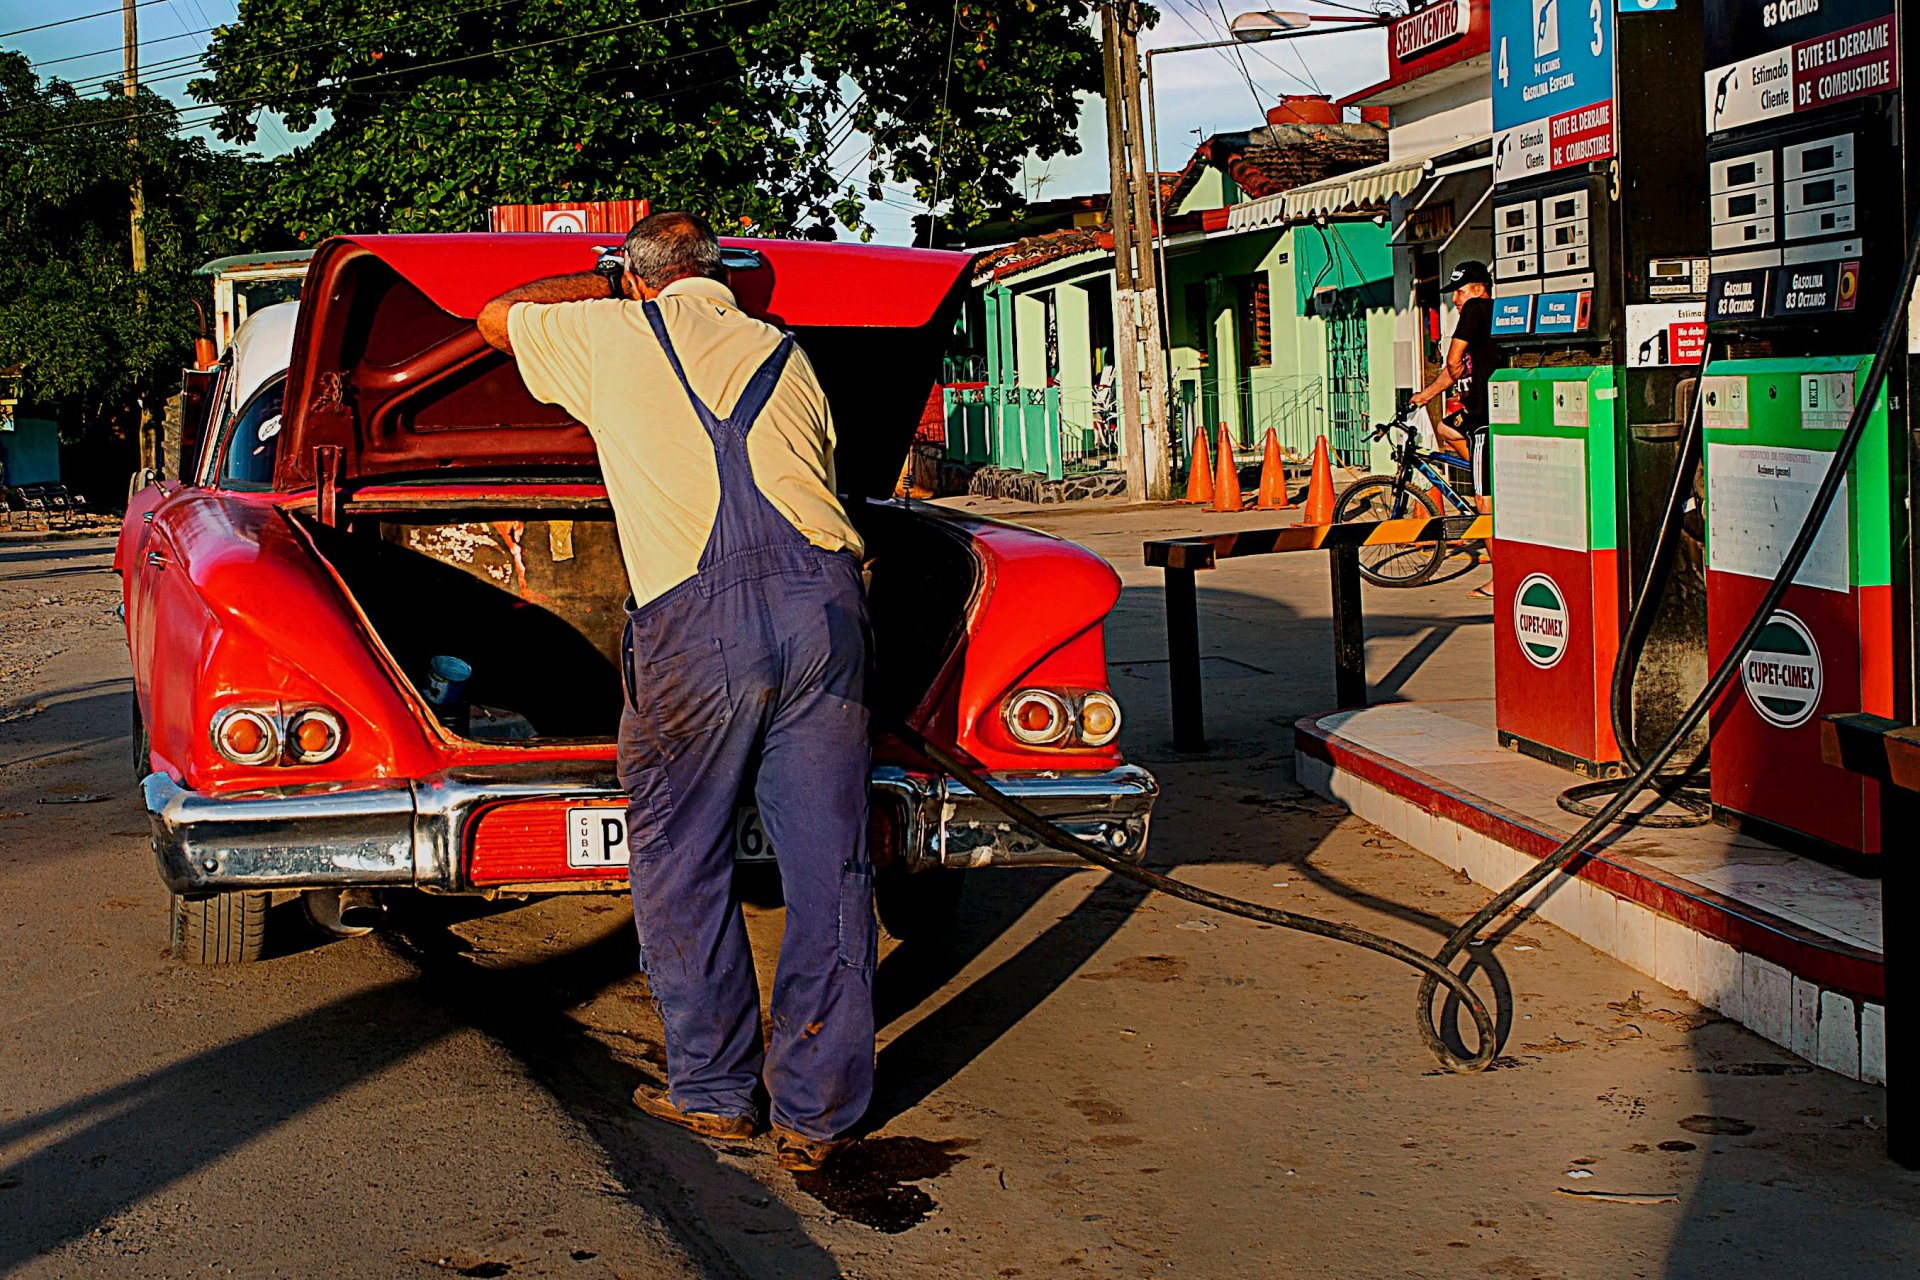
point(532, 595)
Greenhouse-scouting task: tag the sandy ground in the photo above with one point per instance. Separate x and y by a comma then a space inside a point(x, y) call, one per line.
point(1081, 1080)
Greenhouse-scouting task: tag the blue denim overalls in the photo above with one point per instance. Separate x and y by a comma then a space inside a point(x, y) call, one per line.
point(758, 661)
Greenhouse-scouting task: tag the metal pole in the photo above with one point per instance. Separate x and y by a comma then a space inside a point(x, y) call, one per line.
point(1349, 631)
point(1160, 251)
point(1183, 662)
point(1900, 958)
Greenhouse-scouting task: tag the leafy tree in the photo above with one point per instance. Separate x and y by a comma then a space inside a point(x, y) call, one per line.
point(98, 342)
point(428, 114)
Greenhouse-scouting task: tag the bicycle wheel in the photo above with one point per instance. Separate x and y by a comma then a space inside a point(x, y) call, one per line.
point(1391, 565)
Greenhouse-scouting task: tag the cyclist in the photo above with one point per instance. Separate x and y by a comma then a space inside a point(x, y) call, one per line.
point(1471, 359)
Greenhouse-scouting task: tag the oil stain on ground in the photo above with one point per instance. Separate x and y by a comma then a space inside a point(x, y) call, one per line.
point(870, 1182)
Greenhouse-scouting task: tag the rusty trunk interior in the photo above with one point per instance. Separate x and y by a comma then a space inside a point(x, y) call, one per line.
point(532, 597)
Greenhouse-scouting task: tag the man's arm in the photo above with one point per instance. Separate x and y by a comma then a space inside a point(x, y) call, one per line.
point(582, 286)
point(1455, 367)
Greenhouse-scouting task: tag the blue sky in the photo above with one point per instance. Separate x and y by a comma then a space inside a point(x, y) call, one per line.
point(1198, 93)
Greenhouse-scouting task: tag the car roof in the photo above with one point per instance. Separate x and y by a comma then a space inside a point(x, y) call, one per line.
point(262, 348)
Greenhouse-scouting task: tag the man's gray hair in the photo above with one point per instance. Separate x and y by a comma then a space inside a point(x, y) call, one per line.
point(664, 247)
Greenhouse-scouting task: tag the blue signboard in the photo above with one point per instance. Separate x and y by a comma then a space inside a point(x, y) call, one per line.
point(1564, 312)
point(1513, 315)
point(1552, 84)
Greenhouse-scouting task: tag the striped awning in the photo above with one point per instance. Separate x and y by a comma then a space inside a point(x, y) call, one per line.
point(1365, 190)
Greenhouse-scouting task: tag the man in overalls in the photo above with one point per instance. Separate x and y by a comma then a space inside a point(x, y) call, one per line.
point(745, 662)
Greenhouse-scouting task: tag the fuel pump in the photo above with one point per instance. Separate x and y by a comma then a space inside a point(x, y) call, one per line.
point(1599, 285)
point(1808, 190)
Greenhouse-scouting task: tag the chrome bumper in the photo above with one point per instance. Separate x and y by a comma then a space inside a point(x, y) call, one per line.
point(413, 833)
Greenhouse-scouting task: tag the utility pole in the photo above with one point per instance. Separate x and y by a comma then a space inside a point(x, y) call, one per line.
point(130, 82)
point(1140, 353)
point(150, 448)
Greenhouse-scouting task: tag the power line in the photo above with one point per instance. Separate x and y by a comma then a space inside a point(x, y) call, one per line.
point(183, 66)
point(116, 50)
point(217, 109)
point(114, 12)
point(338, 82)
point(940, 155)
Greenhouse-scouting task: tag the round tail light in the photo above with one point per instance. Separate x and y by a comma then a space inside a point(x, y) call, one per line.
point(246, 736)
point(314, 736)
point(1099, 719)
point(1038, 717)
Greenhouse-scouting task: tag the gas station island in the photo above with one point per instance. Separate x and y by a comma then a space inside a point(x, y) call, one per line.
point(1699, 219)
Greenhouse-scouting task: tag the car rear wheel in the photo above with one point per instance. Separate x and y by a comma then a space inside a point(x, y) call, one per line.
point(917, 907)
point(219, 928)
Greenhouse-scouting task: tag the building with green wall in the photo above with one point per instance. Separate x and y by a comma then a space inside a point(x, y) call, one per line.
point(1270, 323)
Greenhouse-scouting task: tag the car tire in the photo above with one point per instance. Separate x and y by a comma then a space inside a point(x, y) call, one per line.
point(219, 928)
point(142, 748)
point(917, 907)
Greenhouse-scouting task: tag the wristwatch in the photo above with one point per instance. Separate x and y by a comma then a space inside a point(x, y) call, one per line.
point(611, 264)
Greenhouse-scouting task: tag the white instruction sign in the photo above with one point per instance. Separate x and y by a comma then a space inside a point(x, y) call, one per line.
point(1503, 403)
point(1540, 490)
point(1665, 333)
point(1725, 401)
point(1826, 401)
point(1757, 499)
point(1570, 404)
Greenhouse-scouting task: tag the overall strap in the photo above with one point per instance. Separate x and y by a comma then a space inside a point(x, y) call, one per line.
point(760, 387)
point(659, 325)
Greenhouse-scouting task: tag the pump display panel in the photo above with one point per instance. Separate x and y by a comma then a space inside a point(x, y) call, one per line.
point(1548, 258)
point(1796, 97)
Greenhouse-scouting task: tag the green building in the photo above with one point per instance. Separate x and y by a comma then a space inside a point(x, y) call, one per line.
point(1272, 322)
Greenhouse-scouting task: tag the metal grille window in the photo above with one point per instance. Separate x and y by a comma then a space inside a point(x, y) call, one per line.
point(1255, 308)
point(1347, 379)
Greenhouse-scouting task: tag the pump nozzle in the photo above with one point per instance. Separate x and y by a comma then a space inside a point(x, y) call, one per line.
point(1727, 82)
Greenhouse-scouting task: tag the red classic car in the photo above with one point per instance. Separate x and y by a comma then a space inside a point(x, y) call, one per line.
point(372, 504)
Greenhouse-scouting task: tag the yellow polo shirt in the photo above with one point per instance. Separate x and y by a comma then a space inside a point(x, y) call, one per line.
point(600, 362)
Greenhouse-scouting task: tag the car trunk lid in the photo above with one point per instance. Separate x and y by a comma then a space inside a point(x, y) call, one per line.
point(390, 379)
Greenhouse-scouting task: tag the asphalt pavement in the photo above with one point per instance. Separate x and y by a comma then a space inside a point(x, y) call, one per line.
point(1082, 1080)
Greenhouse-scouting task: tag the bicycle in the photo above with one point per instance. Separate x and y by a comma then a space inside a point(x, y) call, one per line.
point(1395, 497)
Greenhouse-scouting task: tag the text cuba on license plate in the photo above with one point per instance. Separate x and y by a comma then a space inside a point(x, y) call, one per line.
point(597, 836)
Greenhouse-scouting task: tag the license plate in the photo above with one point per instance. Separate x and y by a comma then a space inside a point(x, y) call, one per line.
point(597, 837)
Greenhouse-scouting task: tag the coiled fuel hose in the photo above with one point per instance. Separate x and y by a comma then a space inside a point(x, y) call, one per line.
point(1437, 970)
point(1683, 789)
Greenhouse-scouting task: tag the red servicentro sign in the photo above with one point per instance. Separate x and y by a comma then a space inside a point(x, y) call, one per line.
point(1424, 28)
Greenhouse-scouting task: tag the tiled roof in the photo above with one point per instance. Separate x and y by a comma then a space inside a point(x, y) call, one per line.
point(1032, 252)
point(1276, 157)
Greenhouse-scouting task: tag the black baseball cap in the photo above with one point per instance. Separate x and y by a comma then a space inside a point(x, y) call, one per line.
point(1470, 272)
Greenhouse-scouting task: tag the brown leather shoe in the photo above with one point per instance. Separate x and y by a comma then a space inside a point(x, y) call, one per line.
point(705, 1123)
point(798, 1153)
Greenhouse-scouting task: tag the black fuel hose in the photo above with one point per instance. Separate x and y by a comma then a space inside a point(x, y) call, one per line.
point(1683, 788)
point(1717, 684)
point(1436, 970)
point(1437, 974)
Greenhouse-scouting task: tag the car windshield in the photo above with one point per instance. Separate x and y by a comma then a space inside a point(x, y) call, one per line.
point(253, 440)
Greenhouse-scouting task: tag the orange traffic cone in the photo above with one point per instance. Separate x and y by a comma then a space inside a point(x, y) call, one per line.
point(1226, 482)
point(1320, 487)
point(1199, 471)
point(1273, 478)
